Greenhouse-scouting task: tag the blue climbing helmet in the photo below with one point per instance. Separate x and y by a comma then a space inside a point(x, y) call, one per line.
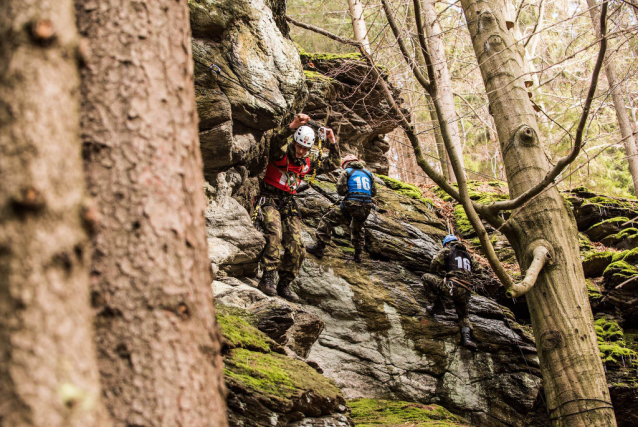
point(449, 238)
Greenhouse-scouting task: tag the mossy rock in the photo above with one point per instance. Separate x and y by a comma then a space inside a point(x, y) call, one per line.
point(409, 190)
point(236, 327)
point(593, 291)
point(595, 263)
point(256, 375)
point(277, 376)
point(326, 56)
point(463, 225)
point(606, 228)
point(584, 243)
point(625, 239)
point(613, 349)
point(390, 413)
point(619, 271)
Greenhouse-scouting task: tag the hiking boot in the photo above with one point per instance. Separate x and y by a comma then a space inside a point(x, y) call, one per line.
point(466, 340)
point(267, 283)
point(357, 255)
point(437, 308)
point(317, 249)
point(284, 291)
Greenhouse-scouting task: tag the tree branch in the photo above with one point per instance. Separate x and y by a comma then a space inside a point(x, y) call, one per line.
point(323, 32)
point(403, 48)
point(461, 179)
point(564, 161)
point(424, 46)
point(541, 255)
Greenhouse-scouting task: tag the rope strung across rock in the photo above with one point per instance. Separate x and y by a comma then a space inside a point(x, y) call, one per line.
point(609, 406)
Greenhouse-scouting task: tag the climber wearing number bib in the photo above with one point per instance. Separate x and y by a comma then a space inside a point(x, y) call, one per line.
point(358, 187)
point(275, 207)
point(458, 266)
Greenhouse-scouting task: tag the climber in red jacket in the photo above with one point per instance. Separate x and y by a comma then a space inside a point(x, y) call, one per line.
point(289, 162)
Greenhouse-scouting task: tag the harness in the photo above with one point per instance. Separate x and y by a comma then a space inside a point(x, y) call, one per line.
point(458, 265)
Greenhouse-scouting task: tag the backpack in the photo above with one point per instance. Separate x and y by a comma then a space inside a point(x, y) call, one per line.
point(458, 260)
point(359, 184)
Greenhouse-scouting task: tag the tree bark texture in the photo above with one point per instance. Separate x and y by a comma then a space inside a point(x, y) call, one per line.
point(444, 81)
point(48, 370)
point(157, 337)
point(573, 376)
point(359, 23)
point(446, 166)
point(619, 103)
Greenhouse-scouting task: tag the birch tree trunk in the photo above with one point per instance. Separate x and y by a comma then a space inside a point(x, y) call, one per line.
point(48, 370)
point(573, 376)
point(444, 82)
point(619, 103)
point(359, 23)
point(158, 341)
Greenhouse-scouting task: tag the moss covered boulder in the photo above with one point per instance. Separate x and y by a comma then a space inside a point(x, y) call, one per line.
point(612, 226)
point(391, 413)
point(590, 208)
point(265, 384)
point(594, 264)
point(623, 266)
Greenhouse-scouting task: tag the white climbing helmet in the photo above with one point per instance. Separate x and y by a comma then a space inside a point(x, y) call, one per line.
point(305, 136)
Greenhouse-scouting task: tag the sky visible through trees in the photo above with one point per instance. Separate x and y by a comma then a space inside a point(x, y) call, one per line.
point(561, 45)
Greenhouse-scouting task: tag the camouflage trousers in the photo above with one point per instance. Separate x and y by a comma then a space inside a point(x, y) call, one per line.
point(281, 226)
point(459, 295)
point(352, 213)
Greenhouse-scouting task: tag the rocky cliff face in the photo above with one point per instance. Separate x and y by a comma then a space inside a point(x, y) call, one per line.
point(361, 331)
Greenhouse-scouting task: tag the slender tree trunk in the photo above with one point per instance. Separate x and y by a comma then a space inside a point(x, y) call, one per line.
point(444, 82)
point(619, 103)
point(48, 369)
point(573, 376)
point(446, 166)
point(359, 23)
point(158, 341)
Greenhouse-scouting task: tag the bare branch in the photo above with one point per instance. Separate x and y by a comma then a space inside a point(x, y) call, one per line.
point(541, 255)
point(424, 46)
point(565, 161)
point(404, 50)
point(323, 32)
point(540, 17)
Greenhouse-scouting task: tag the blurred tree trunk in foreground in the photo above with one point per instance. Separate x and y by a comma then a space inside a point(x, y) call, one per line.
point(157, 337)
point(48, 370)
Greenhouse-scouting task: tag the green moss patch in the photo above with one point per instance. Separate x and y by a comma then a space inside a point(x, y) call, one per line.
point(387, 413)
point(463, 224)
point(406, 189)
point(325, 56)
point(595, 263)
point(622, 266)
point(239, 333)
point(593, 291)
point(611, 343)
point(277, 376)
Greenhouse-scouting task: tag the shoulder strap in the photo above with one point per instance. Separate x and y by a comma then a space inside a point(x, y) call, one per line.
point(352, 170)
point(367, 173)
